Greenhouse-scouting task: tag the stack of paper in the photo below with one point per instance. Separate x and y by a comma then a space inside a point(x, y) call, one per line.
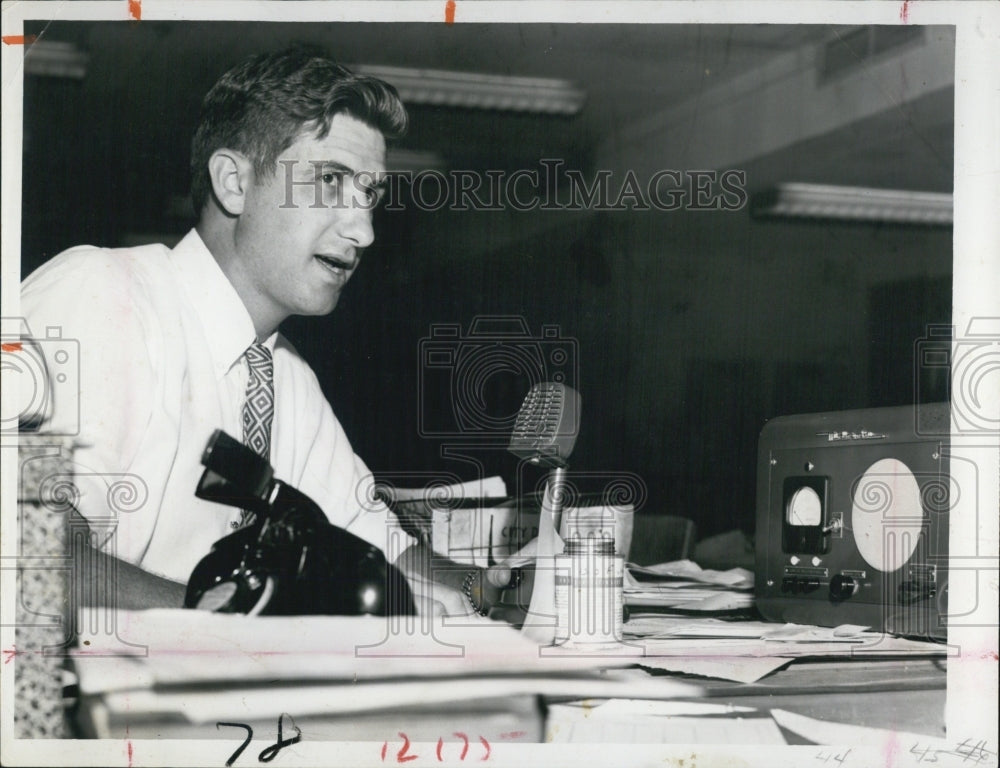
point(746, 651)
point(199, 667)
point(684, 585)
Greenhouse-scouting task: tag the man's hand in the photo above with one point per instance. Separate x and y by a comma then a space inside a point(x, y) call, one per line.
point(441, 583)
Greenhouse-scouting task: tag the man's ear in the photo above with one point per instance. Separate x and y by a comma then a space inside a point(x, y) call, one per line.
point(231, 174)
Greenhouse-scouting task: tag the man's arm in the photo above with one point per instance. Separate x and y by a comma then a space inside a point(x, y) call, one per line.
point(104, 580)
point(131, 588)
point(90, 296)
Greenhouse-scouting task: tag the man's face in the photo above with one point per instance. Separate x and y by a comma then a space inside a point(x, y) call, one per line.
point(302, 231)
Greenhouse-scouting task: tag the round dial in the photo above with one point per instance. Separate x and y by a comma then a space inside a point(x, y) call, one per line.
point(843, 587)
point(804, 508)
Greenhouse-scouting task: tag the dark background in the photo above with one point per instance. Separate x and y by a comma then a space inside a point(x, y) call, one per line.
point(689, 329)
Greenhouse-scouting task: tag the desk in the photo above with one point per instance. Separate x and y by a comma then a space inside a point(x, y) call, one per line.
point(897, 695)
point(906, 695)
point(893, 694)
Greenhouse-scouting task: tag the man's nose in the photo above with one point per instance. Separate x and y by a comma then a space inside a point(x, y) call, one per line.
point(354, 220)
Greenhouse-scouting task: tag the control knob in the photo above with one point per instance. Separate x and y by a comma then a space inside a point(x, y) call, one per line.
point(843, 587)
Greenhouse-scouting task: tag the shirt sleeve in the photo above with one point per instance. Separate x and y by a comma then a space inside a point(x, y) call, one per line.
point(316, 452)
point(82, 310)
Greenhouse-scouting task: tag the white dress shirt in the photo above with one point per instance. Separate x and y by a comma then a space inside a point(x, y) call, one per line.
point(161, 336)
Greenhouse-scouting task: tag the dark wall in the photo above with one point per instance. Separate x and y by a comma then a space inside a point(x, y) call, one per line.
point(685, 330)
point(691, 330)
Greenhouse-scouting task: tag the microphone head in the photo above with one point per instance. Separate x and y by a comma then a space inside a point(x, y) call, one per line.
point(547, 425)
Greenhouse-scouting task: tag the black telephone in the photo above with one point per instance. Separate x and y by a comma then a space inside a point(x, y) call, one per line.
point(290, 560)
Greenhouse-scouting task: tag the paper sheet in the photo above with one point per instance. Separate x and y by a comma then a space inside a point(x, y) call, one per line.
point(205, 704)
point(740, 670)
point(487, 488)
point(198, 666)
point(187, 646)
point(646, 708)
point(736, 578)
point(759, 648)
point(685, 585)
point(798, 633)
point(825, 732)
point(627, 724)
point(707, 602)
point(857, 746)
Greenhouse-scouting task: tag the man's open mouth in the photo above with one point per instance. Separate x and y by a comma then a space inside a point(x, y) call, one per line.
point(333, 263)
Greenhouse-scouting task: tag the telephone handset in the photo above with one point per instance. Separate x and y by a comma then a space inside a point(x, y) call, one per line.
point(290, 560)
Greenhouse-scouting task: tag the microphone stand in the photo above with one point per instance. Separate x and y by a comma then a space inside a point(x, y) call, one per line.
point(538, 623)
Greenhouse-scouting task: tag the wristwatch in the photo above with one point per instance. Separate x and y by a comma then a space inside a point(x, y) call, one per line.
point(470, 577)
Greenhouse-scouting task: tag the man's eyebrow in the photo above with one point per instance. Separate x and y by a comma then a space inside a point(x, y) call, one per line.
point(328, 165)
point(379, 179)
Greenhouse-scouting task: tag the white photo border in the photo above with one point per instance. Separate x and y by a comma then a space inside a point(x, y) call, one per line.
point(971, 708)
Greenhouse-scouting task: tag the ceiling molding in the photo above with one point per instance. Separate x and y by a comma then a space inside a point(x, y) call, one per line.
point(476, 90)
point(778, 105)
point(827, 201)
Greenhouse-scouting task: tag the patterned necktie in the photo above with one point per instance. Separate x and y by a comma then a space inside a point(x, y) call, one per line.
point(258, 408)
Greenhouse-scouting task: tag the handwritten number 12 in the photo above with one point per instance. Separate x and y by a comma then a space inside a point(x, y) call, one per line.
point(404, 756)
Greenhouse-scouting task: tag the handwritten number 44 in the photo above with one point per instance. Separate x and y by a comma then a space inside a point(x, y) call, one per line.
point(271, 752)
point(404, 756)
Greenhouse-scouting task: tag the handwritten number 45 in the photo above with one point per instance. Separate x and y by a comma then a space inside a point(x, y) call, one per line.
point(404, 756)
point(271, 752)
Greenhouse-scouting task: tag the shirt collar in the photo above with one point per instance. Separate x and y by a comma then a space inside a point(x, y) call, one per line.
point(227, 324)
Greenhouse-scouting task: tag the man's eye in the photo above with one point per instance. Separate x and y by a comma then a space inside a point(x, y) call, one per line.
point(332, 178)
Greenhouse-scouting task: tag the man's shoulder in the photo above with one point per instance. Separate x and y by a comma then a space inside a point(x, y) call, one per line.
point(286, 355)
point(298, 374)
point(107, 266)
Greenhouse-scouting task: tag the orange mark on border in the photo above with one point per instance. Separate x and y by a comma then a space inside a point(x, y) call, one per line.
point(904, 12)
point(19, 39)
point(449, 12)
point(135, 9)
point(14, 346)
point(9, 654)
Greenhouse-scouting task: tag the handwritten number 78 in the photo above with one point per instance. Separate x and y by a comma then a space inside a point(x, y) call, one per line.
point(269, 753)
point(241, 747)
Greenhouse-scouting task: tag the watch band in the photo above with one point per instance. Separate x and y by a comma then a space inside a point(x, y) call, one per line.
point(467, 591)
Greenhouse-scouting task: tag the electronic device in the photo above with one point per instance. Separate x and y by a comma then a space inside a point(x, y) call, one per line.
point(290, 560)
point(544, 434)
point(547, 425)
point(852, 519)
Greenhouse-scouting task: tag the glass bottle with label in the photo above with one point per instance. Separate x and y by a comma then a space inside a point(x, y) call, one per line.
point(588, 592)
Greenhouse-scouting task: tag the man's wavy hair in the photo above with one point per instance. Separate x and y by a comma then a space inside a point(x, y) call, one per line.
point(260, 107)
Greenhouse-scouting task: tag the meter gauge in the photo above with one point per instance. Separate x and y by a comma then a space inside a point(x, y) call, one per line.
point(804, 515)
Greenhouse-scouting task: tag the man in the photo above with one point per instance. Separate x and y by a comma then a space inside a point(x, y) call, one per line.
point(174, 342)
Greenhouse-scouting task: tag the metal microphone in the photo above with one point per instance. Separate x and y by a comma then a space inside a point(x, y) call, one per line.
point(544, 434)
